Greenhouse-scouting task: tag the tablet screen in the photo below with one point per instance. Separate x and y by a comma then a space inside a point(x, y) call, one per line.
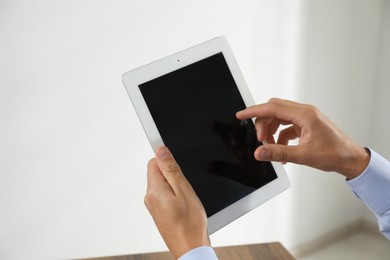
point(194, 110)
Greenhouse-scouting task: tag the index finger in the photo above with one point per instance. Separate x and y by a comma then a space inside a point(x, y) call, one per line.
point(286, 111)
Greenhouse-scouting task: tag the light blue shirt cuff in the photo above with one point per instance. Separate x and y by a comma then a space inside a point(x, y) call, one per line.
point(373, 185)
point(203, 252)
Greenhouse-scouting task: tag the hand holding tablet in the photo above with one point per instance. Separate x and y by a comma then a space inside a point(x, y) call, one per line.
point(188, 102)
point(176, 210)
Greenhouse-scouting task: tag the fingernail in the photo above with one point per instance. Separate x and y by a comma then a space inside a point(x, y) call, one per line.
point(163, 153)
point(264, 154)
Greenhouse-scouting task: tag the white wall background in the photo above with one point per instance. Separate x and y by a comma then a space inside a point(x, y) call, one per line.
point(73, 153)
point(339, 69)
point(381, 122)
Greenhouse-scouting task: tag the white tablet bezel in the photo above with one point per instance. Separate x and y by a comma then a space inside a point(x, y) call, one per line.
point(134, 78)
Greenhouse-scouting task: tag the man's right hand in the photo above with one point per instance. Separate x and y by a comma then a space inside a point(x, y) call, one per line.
point(321, 144)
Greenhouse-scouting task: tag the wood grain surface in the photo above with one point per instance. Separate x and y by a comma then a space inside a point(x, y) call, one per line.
point(248, 252)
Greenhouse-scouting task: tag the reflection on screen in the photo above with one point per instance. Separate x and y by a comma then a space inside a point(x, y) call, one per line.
point(194, 109)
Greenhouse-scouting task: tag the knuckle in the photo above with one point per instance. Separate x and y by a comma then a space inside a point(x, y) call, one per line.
point(151, 198)
point(151, 162)
point(147, 201)
point(171, 168)
point(281, 155)
point(312, 111)
point(274, 101)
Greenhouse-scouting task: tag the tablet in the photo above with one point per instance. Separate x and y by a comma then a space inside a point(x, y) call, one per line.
point(188, 102)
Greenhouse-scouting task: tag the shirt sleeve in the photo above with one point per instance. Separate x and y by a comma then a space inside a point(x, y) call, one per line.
point(373, 188)
point(203, 252)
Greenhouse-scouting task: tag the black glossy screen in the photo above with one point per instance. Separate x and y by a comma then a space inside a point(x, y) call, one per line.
point(194, 110)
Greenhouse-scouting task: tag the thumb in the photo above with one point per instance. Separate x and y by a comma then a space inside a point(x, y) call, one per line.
point(169, 168)
point(277, 153)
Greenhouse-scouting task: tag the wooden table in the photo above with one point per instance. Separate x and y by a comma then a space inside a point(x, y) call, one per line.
point(247, 252)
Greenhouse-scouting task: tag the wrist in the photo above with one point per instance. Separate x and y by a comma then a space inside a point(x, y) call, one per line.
point(356, 163)
point(183, 246)
point(205, 252)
